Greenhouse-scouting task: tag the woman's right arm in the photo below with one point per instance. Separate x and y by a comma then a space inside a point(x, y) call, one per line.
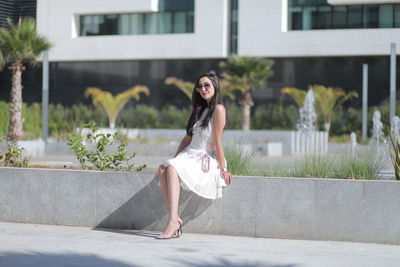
point(185, 142)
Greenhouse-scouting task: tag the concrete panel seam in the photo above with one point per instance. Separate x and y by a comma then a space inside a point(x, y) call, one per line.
point(363, 226)
point(313, 215)
point(255, 216)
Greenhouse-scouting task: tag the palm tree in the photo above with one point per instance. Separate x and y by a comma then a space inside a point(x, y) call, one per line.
point(112, 105)
point(246, 73)
point(327, 100)
point(187, 87)
point(21, 42)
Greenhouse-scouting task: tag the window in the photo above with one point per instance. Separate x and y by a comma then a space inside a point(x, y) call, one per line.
point(371, 16)
point(318, 14)
point(233, 27)
point(386, 16)
point(354, 16)
point(175, 16)
point(339, 17)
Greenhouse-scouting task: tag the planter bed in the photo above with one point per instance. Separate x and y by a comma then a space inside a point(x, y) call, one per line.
point(294, 208)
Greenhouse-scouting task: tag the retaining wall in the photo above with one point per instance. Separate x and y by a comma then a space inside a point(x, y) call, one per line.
point(294, 208)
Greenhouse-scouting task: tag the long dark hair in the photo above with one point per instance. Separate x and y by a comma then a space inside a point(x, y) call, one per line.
point(199, 104)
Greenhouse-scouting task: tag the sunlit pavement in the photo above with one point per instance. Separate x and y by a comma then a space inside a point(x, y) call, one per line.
point(53, 246)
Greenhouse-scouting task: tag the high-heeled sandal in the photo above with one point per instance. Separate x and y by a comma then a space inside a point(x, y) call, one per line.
point(176, 234)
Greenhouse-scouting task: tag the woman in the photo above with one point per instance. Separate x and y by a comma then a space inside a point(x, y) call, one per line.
point(199, 163)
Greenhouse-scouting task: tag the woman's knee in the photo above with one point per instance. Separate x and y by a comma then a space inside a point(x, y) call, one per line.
point(171, 170)
point(161, 171)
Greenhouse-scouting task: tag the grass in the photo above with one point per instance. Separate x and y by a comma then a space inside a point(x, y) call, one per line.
point(342, 165)
point(239, 159)
point(365, 165)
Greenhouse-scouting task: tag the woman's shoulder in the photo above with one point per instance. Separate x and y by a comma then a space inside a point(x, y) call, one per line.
point(219, 108)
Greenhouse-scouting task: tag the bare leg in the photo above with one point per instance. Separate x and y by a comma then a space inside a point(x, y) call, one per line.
point(173, 197)
point(162, 175)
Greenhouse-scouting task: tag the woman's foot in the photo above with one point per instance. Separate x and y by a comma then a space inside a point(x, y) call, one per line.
point(173, 230)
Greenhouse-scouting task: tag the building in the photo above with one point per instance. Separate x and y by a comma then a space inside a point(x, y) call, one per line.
point(14, 9)
point(116, 44)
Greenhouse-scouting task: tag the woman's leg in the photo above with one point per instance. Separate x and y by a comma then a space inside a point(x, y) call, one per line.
point(173, 197)
point(162, 175)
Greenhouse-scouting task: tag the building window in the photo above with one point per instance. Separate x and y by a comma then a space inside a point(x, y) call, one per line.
point(174, 16)
point(318, 14)
point(233, 30)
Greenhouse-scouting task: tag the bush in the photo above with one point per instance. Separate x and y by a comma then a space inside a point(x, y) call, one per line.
point(140, 116)
point(59, 123)
point(4, 115)
point(234, 116)
point(14, 156)
point(100, 157)
point(173, 118)
point(32, 116)
point(274, 117)
point(345, 122)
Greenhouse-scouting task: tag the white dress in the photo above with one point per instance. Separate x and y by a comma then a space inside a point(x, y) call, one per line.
point(188, 163)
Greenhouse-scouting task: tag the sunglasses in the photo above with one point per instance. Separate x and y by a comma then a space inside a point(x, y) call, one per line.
point(205, 85)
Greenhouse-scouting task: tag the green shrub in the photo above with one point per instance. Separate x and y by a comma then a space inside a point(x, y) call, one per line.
point(14, 156)
point(173, 118)
point(32, 116)
point(140, 116)
point(59, 123)
point(5, 117)
point(100, 158)
point(234, 116)
point(274, 117)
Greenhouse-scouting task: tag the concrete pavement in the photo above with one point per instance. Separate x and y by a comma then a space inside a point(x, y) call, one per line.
point(54, 246)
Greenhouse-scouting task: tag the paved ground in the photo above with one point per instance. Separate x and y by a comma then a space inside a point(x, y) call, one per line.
point(54, 246)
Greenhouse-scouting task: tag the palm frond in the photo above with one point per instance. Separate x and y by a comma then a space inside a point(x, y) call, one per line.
point(297, 95)
point(185, 87)
point(329, 99)
point(22, 42)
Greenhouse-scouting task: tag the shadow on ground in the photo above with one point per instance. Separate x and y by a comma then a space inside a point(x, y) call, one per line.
point(227, 263)
point(147, 209)
point(36, 259)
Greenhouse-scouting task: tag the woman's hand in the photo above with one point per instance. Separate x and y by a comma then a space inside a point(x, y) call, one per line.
point(227, 176)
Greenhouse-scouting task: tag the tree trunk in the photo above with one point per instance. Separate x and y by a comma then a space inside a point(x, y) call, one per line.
point(327, 126)
point(247, 103)
point(15, 125)
point(111, 121)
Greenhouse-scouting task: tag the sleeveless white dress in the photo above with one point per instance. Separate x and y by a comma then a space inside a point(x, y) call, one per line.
point(188, 163)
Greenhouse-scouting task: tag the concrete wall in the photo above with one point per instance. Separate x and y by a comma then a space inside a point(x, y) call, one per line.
point(263, 32)
point(58, 20)
point(295, 208)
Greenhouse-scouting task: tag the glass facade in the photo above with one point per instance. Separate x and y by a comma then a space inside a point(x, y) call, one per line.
point(318, 14)
point(68, 80)
point(174, 16)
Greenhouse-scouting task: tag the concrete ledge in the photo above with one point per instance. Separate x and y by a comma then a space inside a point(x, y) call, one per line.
point(295, 208)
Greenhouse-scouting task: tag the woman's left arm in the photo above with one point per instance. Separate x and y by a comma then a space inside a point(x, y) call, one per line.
point(219, 124)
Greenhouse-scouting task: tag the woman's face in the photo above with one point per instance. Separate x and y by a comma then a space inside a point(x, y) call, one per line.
point(205, 88)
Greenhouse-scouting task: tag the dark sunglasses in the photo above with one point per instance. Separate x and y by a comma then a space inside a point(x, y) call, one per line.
point(205, 85)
